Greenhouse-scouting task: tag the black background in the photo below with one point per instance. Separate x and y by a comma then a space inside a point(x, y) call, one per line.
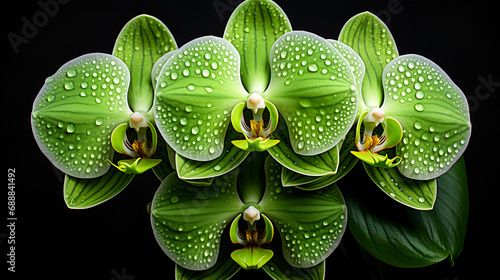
point(115, 239)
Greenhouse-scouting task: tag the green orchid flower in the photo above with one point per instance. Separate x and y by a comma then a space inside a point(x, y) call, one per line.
point(189, 222)
point(257, 72)
point(412, 98)
point(411, 115)
point(94, 104)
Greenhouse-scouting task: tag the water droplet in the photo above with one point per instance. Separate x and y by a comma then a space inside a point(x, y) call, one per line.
point(189, 108)
point(312, 67)
point(246, 29)
point(98, 121)
point(419, 95)
point(174, 76)
point(195, 130)
point(401, 68)
point(417, 86)
point(300, 145)
point(209, 89)
point(71, 73)
point(205, 73)
point(70, 128)
point(304, 102)
point(211, 150)
point(174, 199)
point(191, 87)
point(318, 118)
point(208, 56)
point(411, 65)
point(214, 65)
point(116, 80)
point(421, 199)
point(283, 54)
point(217, 168)
point(184, 121)
point(417, 125)
point(69, 85)
point(83, 94)
point(419, 107)
point(60, 124)
point(185, 72)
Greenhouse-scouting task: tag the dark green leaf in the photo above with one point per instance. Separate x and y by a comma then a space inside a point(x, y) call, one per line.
point(406, 237)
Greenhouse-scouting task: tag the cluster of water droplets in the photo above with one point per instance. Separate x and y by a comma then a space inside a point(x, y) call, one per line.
point(72, 116)
point(191, 242)
point(192, 118)
point(303, 62)
point(423, 92)
point(305, 243)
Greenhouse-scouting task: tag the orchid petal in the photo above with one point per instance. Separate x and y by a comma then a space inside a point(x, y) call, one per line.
point(253, 28)
point(317, 97)
point(196, 91)
point(77, 109)
point(433, 112)
point(368, 36)
point(141, 42)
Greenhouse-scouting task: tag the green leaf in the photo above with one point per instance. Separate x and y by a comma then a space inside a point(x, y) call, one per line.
point(224, 269)
point(140, 43)
point(322, 164)
point(446, 225)
point(357, 67)
point(196, 91)
point(314, 89)
point(279, 268)
point(188, 221)
point(311, 223)
point(253, 28)
point(230, 159)
point(405, 237)
point(86, 193)
point(420, 195)
point(373, 41)
point(76, 111)
point(433, 112)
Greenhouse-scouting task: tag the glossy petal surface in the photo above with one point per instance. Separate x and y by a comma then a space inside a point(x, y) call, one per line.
point(196, 91)
point(433, 112)
point(314, 89)
point(253, 28)
point(77, 109)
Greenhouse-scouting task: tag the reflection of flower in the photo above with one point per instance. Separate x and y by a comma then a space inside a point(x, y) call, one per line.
point(189, 221)
point(78, 113)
